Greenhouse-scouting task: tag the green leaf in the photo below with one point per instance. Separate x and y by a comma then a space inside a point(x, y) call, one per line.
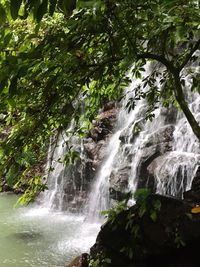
point(153, 215)
point(189, 215)
point(142, 210)
point(14, 8)
point(107, 260)
point(141, 194)
point(157, 204)
point(3, 84)
point(7, 38)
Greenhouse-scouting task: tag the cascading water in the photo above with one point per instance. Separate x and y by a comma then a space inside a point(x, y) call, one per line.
point(65, 182)
point(162, 154)
point(48, 233)
point(175, 171)
point(58, 175)
point(118, 154)
point(99, 197)
point(53, 196)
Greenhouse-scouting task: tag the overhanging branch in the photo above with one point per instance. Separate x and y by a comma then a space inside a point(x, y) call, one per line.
point(178, 91)
point(159, 58)
point(189, 55)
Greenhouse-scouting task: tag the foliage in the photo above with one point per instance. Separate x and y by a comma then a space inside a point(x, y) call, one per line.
point(142, 207)
point(32, 186)
point(112, 214)
point(100, 261)
point(141, 197)
point(63, 59)
point(178, 240)
point(145, 207)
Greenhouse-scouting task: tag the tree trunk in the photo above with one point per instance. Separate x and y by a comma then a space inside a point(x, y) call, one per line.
point(184, 105)
point(179, 95)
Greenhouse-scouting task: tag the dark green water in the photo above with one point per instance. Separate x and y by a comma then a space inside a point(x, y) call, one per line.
point(35, 237)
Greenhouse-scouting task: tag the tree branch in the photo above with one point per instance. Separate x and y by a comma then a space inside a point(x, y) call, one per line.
point(160, 58)
point(178, 91)
point(184, 106)
point(189, 55)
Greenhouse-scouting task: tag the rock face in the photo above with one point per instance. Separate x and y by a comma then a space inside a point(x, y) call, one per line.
point(73, 181)
point(158, 143)
point(104, 125)
point(134, 239)
point(119, 183)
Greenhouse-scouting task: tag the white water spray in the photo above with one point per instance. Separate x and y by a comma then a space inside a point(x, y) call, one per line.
point(173, 169)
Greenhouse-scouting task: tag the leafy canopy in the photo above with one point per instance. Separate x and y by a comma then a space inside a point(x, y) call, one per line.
point(63, 59)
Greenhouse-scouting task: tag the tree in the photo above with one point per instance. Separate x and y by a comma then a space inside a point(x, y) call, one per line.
point(52, 70)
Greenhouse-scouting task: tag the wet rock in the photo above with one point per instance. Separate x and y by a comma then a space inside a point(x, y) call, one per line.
point(163, 135)
point(104, 126)
point(147, 179)
point(74, 180)
point(157, 144)
point(157, 242)
point(96, 151)
point(169, 114)
point(110, 105)
point(129, 134)
point(80, 261)
point(176, 163)
point(6, 188)
point(196, 181)
point(193, 195)
point(119, 183)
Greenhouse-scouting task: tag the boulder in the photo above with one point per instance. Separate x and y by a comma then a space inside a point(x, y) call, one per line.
point(136, 239)
point(169, 114)
point(196, 180)
point(182, 165)
point(193, 195)
point(80, 261)
point(74, 180)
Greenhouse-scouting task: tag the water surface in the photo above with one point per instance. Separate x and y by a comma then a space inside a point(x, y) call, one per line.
point(36, 237)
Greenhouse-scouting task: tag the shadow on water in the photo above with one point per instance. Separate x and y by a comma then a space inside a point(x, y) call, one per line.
point(26, 236)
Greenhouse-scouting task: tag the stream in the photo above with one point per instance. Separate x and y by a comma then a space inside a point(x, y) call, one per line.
point(33, 236)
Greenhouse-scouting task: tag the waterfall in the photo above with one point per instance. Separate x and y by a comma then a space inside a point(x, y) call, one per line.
point(65, 182)
point(119, 152)
point(53, 197)
point(99, 197)
point(162, 154)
